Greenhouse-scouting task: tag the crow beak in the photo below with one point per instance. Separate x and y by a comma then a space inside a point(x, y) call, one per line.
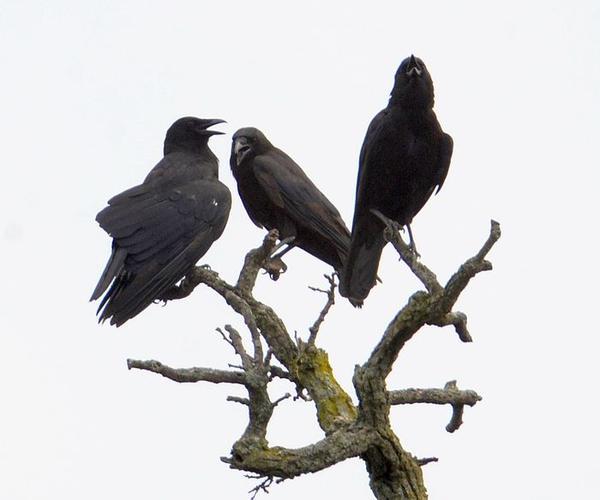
point(240, 149)
point(209, 123)
point(413, 67)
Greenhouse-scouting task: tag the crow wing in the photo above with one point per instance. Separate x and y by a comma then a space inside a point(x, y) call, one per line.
point(158, 235)
point(290, 190)
point(446, 147)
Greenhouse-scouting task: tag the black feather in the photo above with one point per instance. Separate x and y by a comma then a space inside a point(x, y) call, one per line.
point(277, 194)
point(404, 156)
point(162, 227)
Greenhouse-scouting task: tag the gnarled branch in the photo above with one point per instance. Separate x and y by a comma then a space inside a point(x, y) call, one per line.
point(350, 431)
point(450, 395)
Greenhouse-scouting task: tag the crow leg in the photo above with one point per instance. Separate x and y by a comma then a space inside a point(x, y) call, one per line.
point(412, 245)
point(287, 241)
point(273, 265)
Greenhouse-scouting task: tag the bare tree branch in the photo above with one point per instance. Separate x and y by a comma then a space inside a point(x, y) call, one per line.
point(314, 330)
point(309, 367)
point(350, 431)
point(392, 234)
point(287, 395)
point(425, 461)
point(288, 463)
point(431, 308)
point(459, 320)
point(236, 399)
point(456, 420)
point(276, 371)
point(262, 486)
point(254, 261)
point(449, 395)
point(457, 409)
point(185, 375)
point(457, 283)
point(235, 340)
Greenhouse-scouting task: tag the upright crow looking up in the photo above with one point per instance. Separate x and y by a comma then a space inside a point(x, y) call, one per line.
point(277, 194)
point(163, 226)
point(404, 157)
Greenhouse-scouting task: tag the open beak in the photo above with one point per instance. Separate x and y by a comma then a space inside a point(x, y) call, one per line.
point(413, 67)
point(209, 123)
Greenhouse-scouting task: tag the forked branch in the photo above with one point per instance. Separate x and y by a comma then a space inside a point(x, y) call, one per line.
point(350, 430)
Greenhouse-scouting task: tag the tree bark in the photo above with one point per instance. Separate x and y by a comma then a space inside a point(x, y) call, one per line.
point(349, 431)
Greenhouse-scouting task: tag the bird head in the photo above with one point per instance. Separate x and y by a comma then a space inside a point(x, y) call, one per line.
point(413, 87)
point(246, 144)
point(190, 134)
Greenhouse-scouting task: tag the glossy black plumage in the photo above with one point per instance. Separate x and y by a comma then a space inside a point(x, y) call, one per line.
point(277, 194)
point(163, 226)
point(404, 157)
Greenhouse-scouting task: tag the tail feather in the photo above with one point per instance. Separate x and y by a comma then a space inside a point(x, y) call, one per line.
point(112, 269)
point(360, 272)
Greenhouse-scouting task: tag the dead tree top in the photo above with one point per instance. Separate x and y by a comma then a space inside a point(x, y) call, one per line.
point(350, 430)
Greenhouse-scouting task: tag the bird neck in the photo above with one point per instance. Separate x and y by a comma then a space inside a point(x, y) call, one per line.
point(210, 164)
point(416, 104)
point(203, 165)
point(399, 111)
point(185, 145)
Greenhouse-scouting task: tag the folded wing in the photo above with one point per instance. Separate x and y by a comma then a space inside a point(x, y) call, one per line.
point(158, 235)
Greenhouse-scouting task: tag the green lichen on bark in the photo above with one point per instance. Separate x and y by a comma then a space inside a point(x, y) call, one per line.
point(314, 372)
point(350, 431)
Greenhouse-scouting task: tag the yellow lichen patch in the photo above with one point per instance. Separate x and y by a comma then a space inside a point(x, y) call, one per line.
point(334, 406)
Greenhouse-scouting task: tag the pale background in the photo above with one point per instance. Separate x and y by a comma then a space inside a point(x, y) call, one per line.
point(86, 94)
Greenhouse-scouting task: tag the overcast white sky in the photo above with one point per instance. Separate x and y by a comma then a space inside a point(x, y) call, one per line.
point(86, 94)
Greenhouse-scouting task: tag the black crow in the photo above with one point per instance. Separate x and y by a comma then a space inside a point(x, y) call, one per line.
point(163, 226)
point(404, 157)
point(278, 195)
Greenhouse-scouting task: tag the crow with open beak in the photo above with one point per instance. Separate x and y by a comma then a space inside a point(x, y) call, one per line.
point(404, 157)
point(163, 226)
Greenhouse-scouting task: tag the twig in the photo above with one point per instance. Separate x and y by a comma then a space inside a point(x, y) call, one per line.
point(314, 330)
point(421, 271)
point(238, 345)
point(260, 487)
point(235, 340)
point(494, 236)
point(226, 339)
point(242, 307)
point(432, 308)
point(252, 263)
point(425, 461)
point(460, 279)
point(236, 399)
point(185, 375)
point(287, 395)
